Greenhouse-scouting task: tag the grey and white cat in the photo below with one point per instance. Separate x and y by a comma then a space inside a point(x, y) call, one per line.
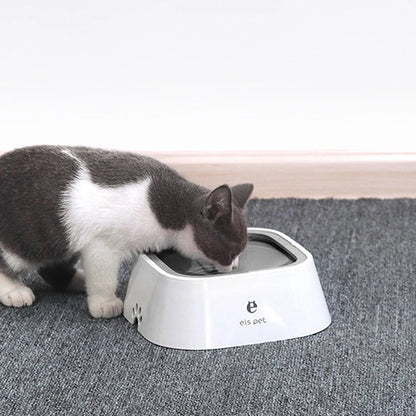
point(61, 203)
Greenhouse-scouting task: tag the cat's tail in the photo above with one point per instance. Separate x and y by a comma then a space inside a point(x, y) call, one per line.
point(64, 275)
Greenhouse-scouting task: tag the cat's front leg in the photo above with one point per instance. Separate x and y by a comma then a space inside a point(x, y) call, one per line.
point(101, 264)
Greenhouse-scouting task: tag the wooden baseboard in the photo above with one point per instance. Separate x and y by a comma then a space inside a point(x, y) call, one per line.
point(302, 174)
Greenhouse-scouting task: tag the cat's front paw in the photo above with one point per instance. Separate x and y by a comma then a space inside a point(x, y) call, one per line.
point(105, 308)
point(18, 297)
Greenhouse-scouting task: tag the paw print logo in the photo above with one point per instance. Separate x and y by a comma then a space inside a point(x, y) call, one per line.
point(137, 314)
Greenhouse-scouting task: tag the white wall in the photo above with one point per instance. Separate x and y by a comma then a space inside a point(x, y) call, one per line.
point(191, 74)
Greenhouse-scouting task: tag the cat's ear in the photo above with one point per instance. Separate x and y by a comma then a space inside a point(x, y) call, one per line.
point(241, 194)
point(218, 203)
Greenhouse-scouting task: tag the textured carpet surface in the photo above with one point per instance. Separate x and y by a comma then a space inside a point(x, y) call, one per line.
point(56, 360)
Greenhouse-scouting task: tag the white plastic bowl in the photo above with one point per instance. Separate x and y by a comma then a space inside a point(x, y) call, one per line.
point(274, 294)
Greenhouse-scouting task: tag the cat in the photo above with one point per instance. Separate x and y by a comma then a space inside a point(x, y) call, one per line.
point(59, 204)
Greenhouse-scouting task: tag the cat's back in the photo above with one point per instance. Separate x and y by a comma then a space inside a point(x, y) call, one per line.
point(53, 166)
point(112, 167)
point(25, 172)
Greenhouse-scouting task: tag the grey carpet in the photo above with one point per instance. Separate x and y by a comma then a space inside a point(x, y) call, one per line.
point(56, 360)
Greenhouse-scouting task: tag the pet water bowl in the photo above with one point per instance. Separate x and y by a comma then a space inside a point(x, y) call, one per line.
point(274, 294)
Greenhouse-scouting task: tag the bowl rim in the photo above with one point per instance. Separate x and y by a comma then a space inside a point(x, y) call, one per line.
point(283, 241)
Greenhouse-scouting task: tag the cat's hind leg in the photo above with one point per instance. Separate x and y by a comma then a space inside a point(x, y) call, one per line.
point(12, 290)
point(64, 275)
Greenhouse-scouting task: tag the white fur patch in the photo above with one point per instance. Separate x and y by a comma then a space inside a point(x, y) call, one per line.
point(15, 262)
point(185, 244)
point(120, 215)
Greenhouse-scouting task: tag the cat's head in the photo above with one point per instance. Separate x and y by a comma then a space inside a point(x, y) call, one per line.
point(220, 227)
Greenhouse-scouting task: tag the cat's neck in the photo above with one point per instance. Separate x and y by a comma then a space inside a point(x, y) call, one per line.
point(176, 206)
point(174, 201)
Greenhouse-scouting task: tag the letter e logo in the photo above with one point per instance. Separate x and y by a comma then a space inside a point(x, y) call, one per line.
point(252, 306)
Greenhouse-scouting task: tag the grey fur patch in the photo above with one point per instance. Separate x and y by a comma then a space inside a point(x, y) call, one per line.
point(113, 168)
point(173, 199)
point(32, 180)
